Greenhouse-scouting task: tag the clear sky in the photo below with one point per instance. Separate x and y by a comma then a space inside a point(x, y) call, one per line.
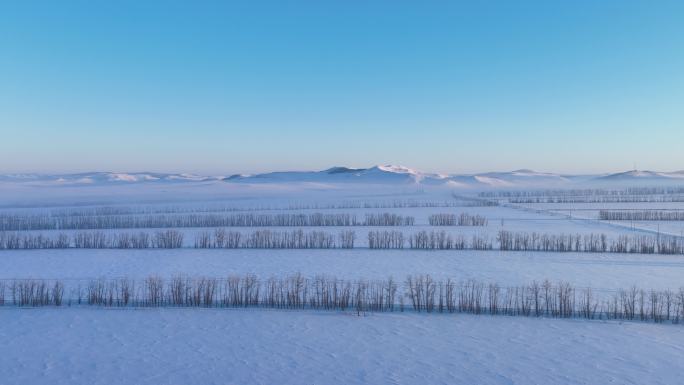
point(449, 86)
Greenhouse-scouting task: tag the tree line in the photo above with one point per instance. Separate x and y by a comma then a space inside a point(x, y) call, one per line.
point(641, 215)
point(555, 193)
point(464, 219)
point(594, 243)
point(346, 239)
point(218, 208)
point(602, 199)
point(46, 222)
point(418, 293)
point(270, 239)
point(166, 239)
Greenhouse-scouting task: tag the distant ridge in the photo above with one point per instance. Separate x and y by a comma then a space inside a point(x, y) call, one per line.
point(89, 178)
point(643, 174)
point(384, 174)
point(379, 174)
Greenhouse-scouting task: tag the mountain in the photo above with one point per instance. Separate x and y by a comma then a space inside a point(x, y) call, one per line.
point(644, 175)
point(376, 174)
point(380, 175)
point(89, 178)
point(389, 174)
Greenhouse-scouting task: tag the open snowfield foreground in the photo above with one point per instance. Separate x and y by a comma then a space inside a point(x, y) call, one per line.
point(207, 346)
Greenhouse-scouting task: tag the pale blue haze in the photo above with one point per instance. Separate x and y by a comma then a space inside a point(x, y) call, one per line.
point(450, 86)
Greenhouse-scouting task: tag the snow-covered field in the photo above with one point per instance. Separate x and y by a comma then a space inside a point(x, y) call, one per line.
point(185, 347)
point(601, 271)
point(80, 345)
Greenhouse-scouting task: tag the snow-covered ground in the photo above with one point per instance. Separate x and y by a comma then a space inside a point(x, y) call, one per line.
point(600, 271)
point(208, 346)
point(78, 345)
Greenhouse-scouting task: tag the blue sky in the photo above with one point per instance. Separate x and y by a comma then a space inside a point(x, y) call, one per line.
point(449, 86)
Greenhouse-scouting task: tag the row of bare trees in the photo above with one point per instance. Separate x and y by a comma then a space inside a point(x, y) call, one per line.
point(269, 239)
point(595, 243)
point(441, 240)
point(388, 219)
point(45, 222)
point(641, 215)
point(163, 239)
point(464, 219)
point(30, 292)
point(377, 239)
point(424, 240)
point(419, 293)
point(628, 195)
point(602, 199)
point(555, 193)
point(385, 239)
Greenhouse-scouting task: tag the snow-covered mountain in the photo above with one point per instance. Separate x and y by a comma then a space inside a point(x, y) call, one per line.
point(644, 175)
point(376, 174)
point(403, 175)
point(90, 178)
point(380, 175)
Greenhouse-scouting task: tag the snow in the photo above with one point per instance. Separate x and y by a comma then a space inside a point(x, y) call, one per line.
point(102, 177)
point(643, 174)
point(494, 182)
point(600, 271)
point(220, 346)
point(396, 169)
point(380, 174)
point(81, 345)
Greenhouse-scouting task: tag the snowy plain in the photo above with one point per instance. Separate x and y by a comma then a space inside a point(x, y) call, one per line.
point(203, 347)
point(600, 271)
point(81, 345)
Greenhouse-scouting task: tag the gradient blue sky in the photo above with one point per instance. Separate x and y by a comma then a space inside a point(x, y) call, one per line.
point(449, 86)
